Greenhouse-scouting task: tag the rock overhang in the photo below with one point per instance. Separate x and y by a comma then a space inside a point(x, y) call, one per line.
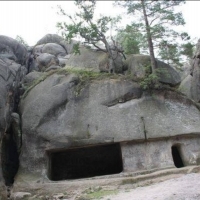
point(105, 110)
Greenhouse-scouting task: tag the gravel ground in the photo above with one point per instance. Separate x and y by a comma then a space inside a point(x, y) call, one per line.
point(186, 187)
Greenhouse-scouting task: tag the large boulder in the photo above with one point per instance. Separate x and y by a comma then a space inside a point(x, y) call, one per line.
point(46, 60)
point(11, 74)
point(50, 48)
point(88, 59)
point(93, 60)
point(12, 49)
point(185, 86)
point(31, 77)
point(137, 65)
point(50, 52)
point(62, 112)
point(12, 58)
point(50, 38)
point(186, 69)
point(63, 60)
point(54, 49)
point(195, 86)
point(54, 38)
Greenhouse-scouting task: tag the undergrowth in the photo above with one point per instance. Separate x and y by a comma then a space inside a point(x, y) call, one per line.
point(97, 193)
point(85, 76)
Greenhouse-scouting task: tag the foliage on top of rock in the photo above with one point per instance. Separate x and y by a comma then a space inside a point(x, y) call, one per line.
point(93, 32)
point(139, 67)
point(84, 75)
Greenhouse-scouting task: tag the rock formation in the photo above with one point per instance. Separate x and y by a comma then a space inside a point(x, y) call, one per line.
point(78, 122)
point(50, 51)
point(12, 70)
point(137, 65)
point(195, 89)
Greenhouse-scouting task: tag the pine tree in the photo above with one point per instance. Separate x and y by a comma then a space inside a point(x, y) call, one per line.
point(130, 40)
point(155, 20)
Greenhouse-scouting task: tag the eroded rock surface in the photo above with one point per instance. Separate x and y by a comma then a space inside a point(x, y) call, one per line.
point(195, 88)
point(59, 113)
point(51, 50)
point(63, 111)
point(94, 60)
point(12, 49)
point(138, 64)
point(12, 70)
point(53, 38)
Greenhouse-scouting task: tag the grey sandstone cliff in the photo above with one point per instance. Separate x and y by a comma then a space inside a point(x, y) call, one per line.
point(62, 112)
point(57, 114)
point(190, 84)
point(12, 70)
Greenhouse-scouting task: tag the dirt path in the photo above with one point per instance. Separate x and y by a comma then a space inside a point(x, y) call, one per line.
point(166, 184)
point(186, 187)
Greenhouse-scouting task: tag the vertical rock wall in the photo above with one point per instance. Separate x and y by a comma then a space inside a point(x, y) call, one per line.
point(12, 70)
point(195, 82)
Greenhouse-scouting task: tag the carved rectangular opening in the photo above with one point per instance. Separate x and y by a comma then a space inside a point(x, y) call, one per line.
point(85, 162)
point(176, 155)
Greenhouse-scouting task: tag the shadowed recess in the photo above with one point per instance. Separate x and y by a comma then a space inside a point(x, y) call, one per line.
point(10, 159)
point(177, 156)
point(85, 162)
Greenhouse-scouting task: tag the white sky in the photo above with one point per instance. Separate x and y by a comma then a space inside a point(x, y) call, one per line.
point(33, 19)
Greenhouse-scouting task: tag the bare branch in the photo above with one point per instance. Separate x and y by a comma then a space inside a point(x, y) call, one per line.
point(100, 49)
point(153, 20)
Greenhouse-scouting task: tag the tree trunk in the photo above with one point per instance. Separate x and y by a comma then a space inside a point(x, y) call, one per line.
point(149, 38)
point(112, 66)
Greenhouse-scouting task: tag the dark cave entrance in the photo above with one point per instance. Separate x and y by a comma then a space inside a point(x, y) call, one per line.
point(85, 162)
point(10, 159)
point(178, 162)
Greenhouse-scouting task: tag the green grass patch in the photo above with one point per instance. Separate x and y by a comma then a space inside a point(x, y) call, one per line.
point(128, 181)
point(101, 193)
point(85, 76)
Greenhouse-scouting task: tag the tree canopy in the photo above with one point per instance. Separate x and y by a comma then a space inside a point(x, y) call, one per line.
point(93, 32)
point(130, 40)
point(153, 27)
point(157, 22)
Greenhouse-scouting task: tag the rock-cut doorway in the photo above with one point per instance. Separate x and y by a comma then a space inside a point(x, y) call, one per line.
point(85, 162)
point(177, 156)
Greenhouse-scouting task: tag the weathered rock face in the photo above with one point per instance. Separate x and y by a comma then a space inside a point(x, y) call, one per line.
point(12, 49)
point(186, 69)
point(195, 88)
point(32, 76)
point(46, 60)
point(137, 63)
point(54, 49)
point(50, 38)
point(94, 60)
point(65, 117)
point(186, 85)
point(190, 84)
point(89, 59)
point(59, 113)
point(51, 50)
point(53, 38)
point(12, 59)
